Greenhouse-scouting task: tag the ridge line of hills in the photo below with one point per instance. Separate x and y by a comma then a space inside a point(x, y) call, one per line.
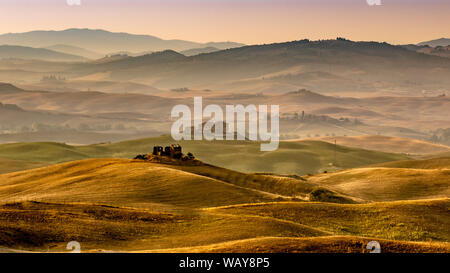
point(346, 187)
point(98, 40)
point(83, 37)
point(69, 52)
point(329, 66)
point(23, 52)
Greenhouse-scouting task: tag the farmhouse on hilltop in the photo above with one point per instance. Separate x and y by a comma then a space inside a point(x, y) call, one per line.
point(173, 151)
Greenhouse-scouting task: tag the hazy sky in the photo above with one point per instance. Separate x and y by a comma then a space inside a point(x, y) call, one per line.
point(247, 21)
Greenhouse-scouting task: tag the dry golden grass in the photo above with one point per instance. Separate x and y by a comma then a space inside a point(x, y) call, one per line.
point(244, 156)
point(282, 185)
point(402, 220)
point(330, 244)
point(146, 184)
point(10, 165)
point(202, 208)
point(438, 155)
point(36, 225)
point(433, 163)
point(388, 184)
point(124, 182)
point(388, 144)
point(49, 226)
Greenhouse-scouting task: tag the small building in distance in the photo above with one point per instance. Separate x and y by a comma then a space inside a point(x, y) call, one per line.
point(172, 154)
point(173, 151)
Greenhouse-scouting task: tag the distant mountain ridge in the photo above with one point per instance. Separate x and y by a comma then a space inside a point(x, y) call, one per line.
point(7, 87)
point(103, 41)
point(23, 52)
point(196, 51)
point(227, 68)
point(73, 50)
point(437, 42)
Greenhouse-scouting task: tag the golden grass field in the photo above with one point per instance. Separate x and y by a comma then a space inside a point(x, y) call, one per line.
point(323, 244)
point(124, 205)
point(315, 156)
point(388, 144)
point(388, 184)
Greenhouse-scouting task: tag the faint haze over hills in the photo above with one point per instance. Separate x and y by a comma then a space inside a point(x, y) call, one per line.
point(408, 87)
point(21, 52)
point(328, 66)
point(196, 51)
point(78, 44)
point(103, 41)
point(68, 49)
point(437, 42)
point(324, 66)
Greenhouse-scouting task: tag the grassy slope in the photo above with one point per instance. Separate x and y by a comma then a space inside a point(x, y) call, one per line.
point(433, 163)
point(147, 184)
point(41, 152)
point(328, 244)
point(173, 185)
point(445, 154)
point(36, 226)
point(299, 158)
point(232, 217)
point(388, 184)
point(171, 208)
point(124, 182)
point(389, 144)
point(282, 185)
point(291, 158)
point(401, 220)
point(240, 228)
point(9, 165)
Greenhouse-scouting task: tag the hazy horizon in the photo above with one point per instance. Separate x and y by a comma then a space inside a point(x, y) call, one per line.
point(265, 21)
point(227, 40)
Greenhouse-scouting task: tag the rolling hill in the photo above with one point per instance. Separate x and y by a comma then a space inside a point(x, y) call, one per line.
point(17, 124)
point(323, 114)
point(388, 184)
point(148, 185)
point(437, 42)
point(196, 51)
point(291, 158)
point(22, 52)
point(179, 207)
point(354, 185)
point(372, 110)
point(387, 220)
point(263, 227)
point(27, 225)
point(9, 165)
point(7, 87)
point(73, 50)
point(170, 179)
point(12, 115)
point(103, 41)
point(441, 161)
point(86, 101)
point(86, 85)
point(389, 144)
point(331, 244)
point(283, 64)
